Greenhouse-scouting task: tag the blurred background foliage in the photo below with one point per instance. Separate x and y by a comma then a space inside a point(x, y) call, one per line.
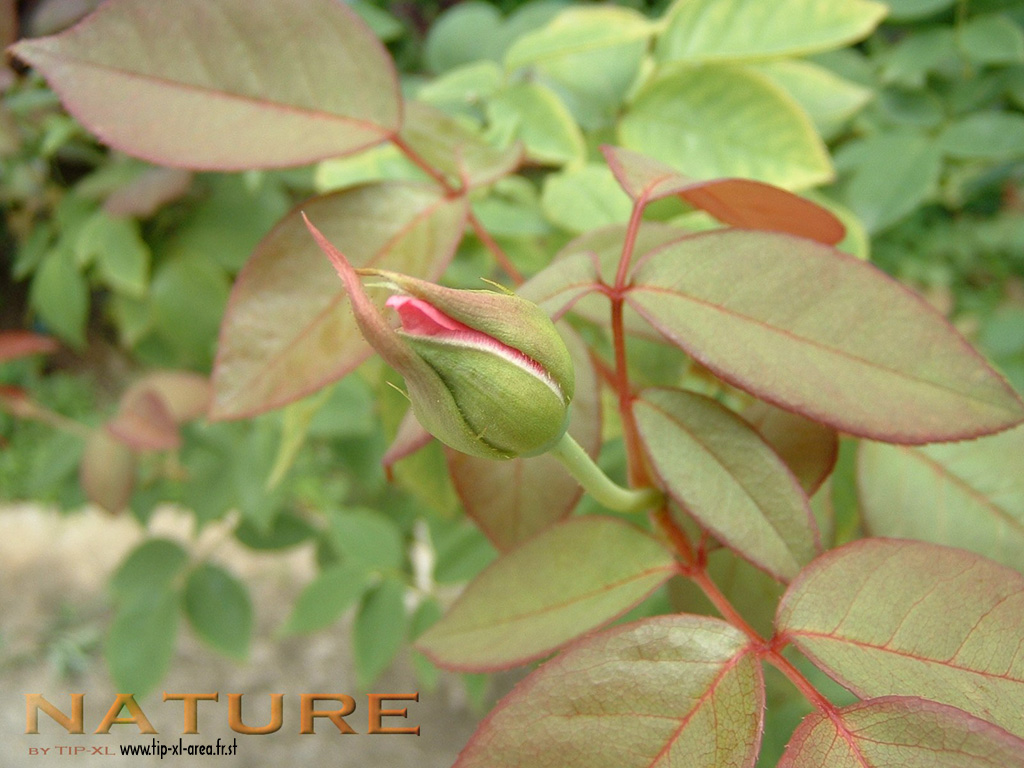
point(913, 134)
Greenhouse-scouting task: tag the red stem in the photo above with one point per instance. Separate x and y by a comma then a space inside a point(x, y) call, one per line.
point(481, 232)
point(695, 568)
point(426, 167)
point(496, 250)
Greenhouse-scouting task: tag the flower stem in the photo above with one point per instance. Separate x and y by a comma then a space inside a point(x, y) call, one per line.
point(598, 484)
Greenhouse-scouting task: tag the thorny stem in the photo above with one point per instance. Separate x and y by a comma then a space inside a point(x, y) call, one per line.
point(598, 484)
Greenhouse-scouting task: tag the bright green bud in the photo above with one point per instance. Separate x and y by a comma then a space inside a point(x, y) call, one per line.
point(487, 373)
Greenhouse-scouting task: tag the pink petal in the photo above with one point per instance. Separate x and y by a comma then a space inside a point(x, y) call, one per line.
point(423, 319)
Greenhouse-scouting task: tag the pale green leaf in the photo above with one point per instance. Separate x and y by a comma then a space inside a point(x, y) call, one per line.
point(571, 578)
point(717, 120)
point(468, 84)
point(670, 691)
point(905, 618)
point(584, 198)
point(538, 118)
point(968, 494)
point(829, 99)
point(200, 85)
point(731, 30)
point(592, 54)
point(107, 472)
point(726, 476)
point(798, 324)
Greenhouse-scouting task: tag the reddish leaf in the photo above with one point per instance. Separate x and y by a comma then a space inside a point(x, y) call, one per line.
point(659, 693)
point(145, 423)
point(809, 449)
point(562, 583)
point(740, 203)
point(15, 344)
point(901, 732)
point(820, 333)
point(728, 478)
point(107, 471)
point(148, 192)
point(288, 329)
point(224, 85)
point(887, 617)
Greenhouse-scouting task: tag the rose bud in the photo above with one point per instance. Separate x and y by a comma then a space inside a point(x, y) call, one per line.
point(487, 373)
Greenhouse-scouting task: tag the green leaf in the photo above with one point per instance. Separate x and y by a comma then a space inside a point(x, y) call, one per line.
point(913, 58)
point(959, 494)
point(986, 136)
point(801, 325)
point(60, 295)
point(288, 329)
point(901, 732)
point(367, 539)
point(830, 100)
point(230, 217)
point(667, 691)
point(591, 54)
point(726, 476)
point(150, 568)
point(499, 495)
point(140, 643)
point(717, 120)
point(235, 101)
point(992, 39)
point(121, 256)
point(537, 117)
point(379, 630)
point(286, 530)
point(905, 10)
point(732, 30)
point(584, 198)
point(326, 598)
point(188, 295)
point(471, 31)
point(888, 175)
point(218, 608)
point(383, 162)
point(573, 577)
point(868, 614)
